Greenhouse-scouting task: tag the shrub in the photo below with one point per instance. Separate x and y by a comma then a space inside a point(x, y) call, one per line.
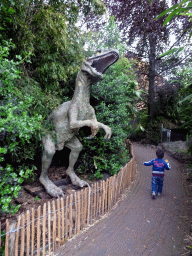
point(17, 129)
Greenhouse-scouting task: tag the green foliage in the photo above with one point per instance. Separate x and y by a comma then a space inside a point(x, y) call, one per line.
point(184, 102)
point(48, 32)
point(37, 198)
point(185, 97)
point(9, 188)
point(153, 132)
point(115, 98)
point(183, 8)
point(17, 126)
point(17, 130)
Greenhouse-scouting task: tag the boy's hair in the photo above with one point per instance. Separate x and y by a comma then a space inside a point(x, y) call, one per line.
point(160, 153)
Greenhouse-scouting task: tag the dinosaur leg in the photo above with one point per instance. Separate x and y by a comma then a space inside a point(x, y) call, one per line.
point(76, 147)
point(48, 153)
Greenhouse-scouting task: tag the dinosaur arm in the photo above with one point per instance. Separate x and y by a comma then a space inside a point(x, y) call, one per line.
point(90, 122)
point(100, 125)
point(107, 130)
point(75, 123)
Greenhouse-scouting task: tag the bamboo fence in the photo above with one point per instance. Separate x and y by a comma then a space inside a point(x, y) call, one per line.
point(42, 231)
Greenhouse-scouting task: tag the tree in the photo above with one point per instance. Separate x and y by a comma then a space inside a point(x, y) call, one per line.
point(147, 36)
point(47, 30)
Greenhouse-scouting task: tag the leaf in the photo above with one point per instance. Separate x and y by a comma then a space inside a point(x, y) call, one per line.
point(186, 98)
point(142, 129)
point(3, 150)
point(171, 15)
point(11, 10)
point(166, 11)
point(168, 53)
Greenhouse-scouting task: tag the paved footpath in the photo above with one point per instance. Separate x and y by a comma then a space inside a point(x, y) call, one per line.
point(139, 225)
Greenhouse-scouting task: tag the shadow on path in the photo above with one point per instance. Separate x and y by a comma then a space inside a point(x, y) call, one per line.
point(139, 225)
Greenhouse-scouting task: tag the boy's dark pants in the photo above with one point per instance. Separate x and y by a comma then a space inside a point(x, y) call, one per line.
point(157, 184)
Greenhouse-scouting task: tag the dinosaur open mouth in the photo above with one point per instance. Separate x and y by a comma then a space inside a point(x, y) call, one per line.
point(103, 61)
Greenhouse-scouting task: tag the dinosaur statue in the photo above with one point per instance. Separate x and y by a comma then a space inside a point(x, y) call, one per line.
point(72, 115)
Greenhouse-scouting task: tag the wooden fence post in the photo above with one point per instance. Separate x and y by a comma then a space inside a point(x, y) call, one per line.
point(7, 239)
point(38, 230)
point(88, 210)
point(79, 212)
point(44, 228)
point(49, 226)
point(58, 236)
point(63, 219)
point(28, 233)
point(70, 215)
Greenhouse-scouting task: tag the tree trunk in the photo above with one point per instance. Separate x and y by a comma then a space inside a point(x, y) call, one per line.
point(151, 76)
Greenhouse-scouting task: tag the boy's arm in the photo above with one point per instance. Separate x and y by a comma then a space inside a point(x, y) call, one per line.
point(167, 165)
point(148, 163)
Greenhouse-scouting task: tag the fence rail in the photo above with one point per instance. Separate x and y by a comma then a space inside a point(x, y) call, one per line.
point(42, 231)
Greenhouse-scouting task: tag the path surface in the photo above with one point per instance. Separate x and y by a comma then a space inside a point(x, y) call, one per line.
point(139, 225)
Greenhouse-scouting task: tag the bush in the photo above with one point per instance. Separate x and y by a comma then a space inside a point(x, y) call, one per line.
point(17, 129)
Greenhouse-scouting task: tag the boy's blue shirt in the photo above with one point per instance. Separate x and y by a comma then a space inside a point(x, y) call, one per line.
point(158, 166)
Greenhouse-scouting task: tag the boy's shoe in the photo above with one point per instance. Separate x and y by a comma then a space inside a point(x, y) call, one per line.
point(153, 195)
point(159, 194)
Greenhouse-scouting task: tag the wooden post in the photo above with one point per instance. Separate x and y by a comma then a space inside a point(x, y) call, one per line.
point(54, 224)
point(32, 230)
point(63, 219)
point(7, 239)
point(66, 217)
point(114, 189)
point(22, 235)
point(17, 235)
point(44, 228)
point(86, 205)
point(98, 192)
point(49, 226)
point(95, 200)
point(38, 230)
point(70, 215)
point(58, 222)
point(12, 234)
point(28, 233)
point(79, 212)
point(106, 194)
point(110, 189)
point(103, 197)
point(76, 213)
point(82, 220)
point(88, 210)
point(120, 184)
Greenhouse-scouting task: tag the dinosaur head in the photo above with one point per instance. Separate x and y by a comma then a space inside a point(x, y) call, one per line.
point(96, 65)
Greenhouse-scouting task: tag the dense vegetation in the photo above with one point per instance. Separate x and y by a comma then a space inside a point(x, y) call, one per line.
point(41, 51)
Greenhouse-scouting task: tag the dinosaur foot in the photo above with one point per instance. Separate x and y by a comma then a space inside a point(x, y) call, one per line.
point(51, 188)
point(76, 180)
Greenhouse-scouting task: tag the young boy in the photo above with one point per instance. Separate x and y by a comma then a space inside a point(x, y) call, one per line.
point(158, 172)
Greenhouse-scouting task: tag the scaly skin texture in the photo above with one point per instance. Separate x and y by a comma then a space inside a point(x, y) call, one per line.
point(72, 115)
